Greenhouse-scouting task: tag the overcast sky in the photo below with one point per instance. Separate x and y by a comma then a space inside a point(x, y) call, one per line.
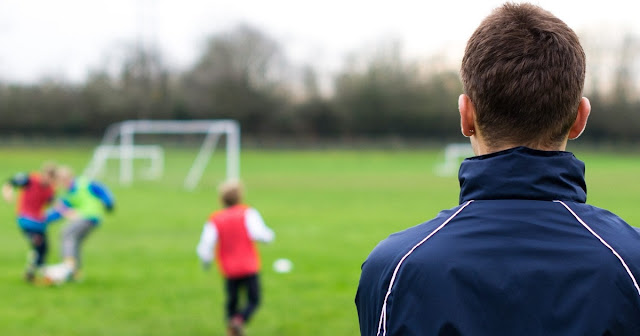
point(65, 38)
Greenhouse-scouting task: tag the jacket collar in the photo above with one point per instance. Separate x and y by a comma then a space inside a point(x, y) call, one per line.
point(523, 173)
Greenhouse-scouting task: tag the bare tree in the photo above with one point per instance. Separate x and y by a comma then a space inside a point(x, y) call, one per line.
point(238, 76)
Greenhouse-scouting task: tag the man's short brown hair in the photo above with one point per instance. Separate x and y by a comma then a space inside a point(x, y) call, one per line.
point(524, 71)
point(230, 193)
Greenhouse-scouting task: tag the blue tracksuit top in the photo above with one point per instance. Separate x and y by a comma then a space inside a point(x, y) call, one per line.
point(521, 255)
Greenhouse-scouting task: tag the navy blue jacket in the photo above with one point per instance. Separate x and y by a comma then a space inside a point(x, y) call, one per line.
point(521, 255)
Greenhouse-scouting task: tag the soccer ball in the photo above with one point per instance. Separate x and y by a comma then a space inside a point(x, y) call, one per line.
point(57, 274)
point(282, 265)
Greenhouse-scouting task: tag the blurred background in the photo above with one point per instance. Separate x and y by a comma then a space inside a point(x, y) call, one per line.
point(308, 71)
point(372, 84)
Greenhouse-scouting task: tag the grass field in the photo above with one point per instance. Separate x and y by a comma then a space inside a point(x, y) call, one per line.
point(328, 209)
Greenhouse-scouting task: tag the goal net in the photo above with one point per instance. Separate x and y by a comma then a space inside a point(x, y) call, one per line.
point(119, 143)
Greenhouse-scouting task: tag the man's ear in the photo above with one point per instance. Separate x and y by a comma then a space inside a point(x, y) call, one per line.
point(584, 108)
point(467, 115)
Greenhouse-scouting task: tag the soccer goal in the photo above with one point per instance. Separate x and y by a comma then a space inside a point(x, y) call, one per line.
point(453, 155)
point(119, 143)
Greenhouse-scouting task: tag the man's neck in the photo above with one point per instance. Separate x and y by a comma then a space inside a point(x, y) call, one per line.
point(480, 147)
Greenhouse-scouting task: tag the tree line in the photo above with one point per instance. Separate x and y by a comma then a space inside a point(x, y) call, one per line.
point(243, 74)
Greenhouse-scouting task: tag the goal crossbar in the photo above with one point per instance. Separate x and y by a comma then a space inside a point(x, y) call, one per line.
point(120, 137)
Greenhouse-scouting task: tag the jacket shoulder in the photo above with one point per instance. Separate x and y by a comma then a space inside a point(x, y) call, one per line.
point(615, 233)
point(379, 267)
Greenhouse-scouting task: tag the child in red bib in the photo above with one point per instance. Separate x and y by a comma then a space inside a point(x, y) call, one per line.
point(35, 193)
point(230, 234)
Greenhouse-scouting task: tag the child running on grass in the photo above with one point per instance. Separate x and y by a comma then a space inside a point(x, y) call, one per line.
point(232, 233)
point(83, 202)
point(36, 191)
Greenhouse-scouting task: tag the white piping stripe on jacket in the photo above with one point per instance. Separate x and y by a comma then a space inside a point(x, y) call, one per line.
point(635, 283)
point(382, 324)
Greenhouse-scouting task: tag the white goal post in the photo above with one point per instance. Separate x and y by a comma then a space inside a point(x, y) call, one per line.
point(119, 143)
point(453, 154)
